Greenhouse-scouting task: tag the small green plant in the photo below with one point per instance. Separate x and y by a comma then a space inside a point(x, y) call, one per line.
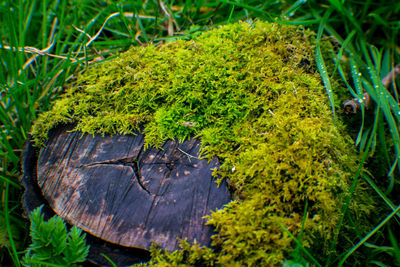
point(52, 244)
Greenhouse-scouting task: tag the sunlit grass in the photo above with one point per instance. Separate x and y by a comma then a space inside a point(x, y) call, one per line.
point(44, 43)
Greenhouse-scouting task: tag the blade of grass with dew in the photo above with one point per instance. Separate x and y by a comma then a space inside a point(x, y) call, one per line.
point(383, 96)
point(376, 57)
point(395, 92)
point(332, 32)
point(355, 74)
point(354, 54)
point(386, 67)
point(321, 64)
point(376, 83)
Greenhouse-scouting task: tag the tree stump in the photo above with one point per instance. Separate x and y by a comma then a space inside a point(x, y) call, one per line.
point(116, 190)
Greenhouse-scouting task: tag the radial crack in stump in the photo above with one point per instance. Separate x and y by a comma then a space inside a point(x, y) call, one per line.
point(116, 190)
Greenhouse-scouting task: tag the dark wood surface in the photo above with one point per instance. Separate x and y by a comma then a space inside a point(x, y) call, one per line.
point(115, 189)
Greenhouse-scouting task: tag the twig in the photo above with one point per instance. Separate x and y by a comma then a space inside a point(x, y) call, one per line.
point(171, 20)
point(187, 154)
point(137, 35)
point(115, 14)
point(352, 106)
point(391, 76)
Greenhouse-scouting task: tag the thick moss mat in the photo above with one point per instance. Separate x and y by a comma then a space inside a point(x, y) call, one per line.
point(252, 94)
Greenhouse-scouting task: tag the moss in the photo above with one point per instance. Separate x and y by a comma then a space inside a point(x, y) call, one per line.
point(251, 93)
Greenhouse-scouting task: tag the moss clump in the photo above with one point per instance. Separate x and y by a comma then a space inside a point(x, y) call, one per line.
point(251, 93)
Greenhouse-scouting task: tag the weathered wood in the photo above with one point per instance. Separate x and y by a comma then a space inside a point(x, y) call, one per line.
point(33, 198)
point(115, 189)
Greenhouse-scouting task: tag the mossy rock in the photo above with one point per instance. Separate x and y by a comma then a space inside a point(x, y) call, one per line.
point(251, 92)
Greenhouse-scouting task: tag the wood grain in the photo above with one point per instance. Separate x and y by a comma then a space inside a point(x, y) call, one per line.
point(114, 189)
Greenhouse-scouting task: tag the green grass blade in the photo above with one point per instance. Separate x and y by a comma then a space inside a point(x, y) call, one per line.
point(5, 144)
point(342, 48)
point(307, 22)
point(369, 235)
point(341, 9)
point(264, 14)
point(344, 78)
point(384, 152)
point(293, 8)
point(356, 74)
point(395, 245)
point(382, 97)
point(298, 243)
point(16, 221)
point(109, 260)
point(321, 63)
point(14, 254)
point(388, 202)
point(305, 216)
point(347, 200)
point(10, 181)
point(377, 58)
point(231, 14)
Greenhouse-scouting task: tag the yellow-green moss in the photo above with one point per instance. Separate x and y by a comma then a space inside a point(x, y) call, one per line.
point(251, 93)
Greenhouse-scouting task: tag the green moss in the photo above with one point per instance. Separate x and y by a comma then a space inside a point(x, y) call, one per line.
point(251, 93)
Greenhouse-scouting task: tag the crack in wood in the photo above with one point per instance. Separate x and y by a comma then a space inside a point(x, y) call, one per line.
point(128, 162)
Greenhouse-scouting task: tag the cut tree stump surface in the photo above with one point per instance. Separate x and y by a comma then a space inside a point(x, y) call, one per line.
point(115, 189)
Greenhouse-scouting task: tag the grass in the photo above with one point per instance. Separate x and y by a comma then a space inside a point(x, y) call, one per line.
point(44, 43)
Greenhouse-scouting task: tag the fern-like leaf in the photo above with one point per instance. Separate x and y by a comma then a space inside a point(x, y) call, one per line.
point(52, 244)
point(76, 251)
